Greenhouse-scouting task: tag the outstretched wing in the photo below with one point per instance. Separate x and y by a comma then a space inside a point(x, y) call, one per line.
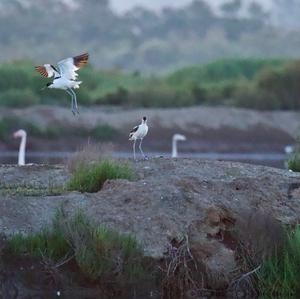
point(47, 70)
point(69, 66)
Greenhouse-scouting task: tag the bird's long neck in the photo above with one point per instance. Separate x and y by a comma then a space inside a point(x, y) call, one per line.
point(21, 158)
point(174, 148)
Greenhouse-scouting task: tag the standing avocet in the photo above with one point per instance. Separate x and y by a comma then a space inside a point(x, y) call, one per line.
point(139, 132)
point(65, 77)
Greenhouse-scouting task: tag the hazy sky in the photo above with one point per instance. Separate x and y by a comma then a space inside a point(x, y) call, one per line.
point(123, 5)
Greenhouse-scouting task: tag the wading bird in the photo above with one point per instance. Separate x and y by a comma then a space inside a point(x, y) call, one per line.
point(23, 135)
point(65, 77)
point(139, 132)
point(176, 138)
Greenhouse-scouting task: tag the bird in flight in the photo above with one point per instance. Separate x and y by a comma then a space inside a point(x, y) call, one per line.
point(139, 132)
point(65, 77)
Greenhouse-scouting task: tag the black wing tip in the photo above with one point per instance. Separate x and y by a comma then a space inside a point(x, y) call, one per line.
point(134, 129)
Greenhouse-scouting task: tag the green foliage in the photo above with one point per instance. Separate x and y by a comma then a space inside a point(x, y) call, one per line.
point(249, 83)
point(97, 256)
point(247, 95)
point(160, 96)
point(18, 98)
point(223, 70)
point(104, 132)
point(11, 123)
point(99, 252)
point(90, 177)
point(279, 275)
point(294, 163)
point(282, 85)
point(49, 243)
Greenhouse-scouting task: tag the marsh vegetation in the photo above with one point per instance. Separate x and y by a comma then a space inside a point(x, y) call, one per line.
point(250, 83)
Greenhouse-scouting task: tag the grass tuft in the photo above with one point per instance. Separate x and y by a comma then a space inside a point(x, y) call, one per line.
point(90, 177)
point(280, 275)
point(48, 243)
point(294, 163)
point(87, 154)
point(99, 252)
point(104, 132)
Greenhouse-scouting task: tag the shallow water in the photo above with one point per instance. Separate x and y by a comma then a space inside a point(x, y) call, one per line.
point(268, 159)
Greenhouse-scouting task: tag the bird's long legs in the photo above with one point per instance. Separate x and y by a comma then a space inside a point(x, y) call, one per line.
point(72, 104)
point(134, 149)
point(140, 147)
point(75, 100)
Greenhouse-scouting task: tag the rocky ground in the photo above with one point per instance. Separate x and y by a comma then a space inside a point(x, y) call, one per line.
point(168, 200)
point(208, 129)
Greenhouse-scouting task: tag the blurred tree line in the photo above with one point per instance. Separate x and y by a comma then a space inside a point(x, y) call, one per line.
point(250, 83)
point(48, 30)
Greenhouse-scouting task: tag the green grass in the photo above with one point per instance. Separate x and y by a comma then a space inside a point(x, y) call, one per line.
point(32, 191)
point(280, 275)
point(99, 252)
point(48, 243)
point(98, 255)
point(294, 163)
point(90, 177)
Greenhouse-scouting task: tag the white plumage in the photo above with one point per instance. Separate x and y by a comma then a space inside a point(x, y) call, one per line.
point(175, 139)
point(139, 132)
point(65, 77)
point(23, 135)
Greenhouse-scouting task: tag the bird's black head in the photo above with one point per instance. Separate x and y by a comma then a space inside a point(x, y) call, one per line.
point(144, 118)
point(48, 84)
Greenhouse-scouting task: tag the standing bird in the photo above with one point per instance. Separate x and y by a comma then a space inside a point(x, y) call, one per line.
point(23, 135)
point(176, 138)
point(139, 132)
point(65, 77)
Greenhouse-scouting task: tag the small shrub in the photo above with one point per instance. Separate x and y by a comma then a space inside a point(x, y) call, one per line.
point(9, 124)
point(259, 236)
point(5, 128)
point(279, 275)
point(247, 95)
point(99, 252)
point(104, 132)
point(91, 177)
point(161, 96)
point(48, 243)
point(18, 98)
point(89, 153)
point(118, 97)
point(294, 163)
point(100, 255)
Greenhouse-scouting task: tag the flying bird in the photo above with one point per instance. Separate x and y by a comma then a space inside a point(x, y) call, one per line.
point(139, 132)
point(65, 77)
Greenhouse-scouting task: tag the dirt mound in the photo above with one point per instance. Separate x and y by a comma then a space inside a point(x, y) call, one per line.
point(170, 200)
